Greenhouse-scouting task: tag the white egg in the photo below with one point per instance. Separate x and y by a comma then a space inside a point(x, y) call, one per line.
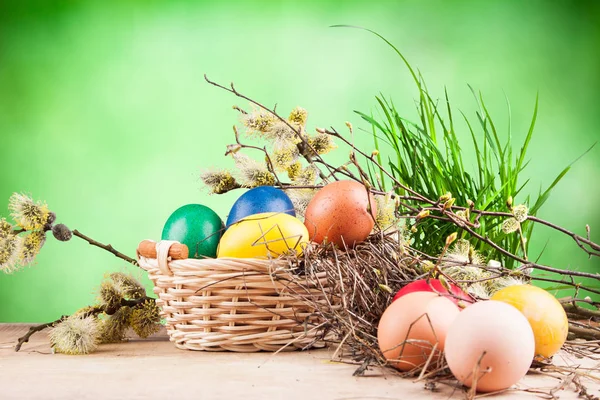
point(492, 342)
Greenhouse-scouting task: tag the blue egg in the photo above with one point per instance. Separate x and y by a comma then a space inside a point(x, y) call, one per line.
point(260, 200)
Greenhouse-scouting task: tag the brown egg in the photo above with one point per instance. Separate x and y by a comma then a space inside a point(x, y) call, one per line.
point(412, 325)
point(338, 213)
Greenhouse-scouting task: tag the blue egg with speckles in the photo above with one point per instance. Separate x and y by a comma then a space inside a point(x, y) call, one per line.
point(261, 199)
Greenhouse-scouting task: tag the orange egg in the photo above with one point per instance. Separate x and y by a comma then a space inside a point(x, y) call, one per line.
point(339, 214)
point(411, 326)
point(544, 313)
point(492, 341)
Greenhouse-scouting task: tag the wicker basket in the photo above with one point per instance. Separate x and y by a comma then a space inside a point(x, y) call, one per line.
point(236, 304)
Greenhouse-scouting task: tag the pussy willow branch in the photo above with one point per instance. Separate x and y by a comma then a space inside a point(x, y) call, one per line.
point(25, 338)
point(93, 311)
point(308, 157)
point(91, 241)
point(106, 247)
point(580, 240)
point(270, 166)
point(38, 328)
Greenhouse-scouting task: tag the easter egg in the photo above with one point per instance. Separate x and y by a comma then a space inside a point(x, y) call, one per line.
point(546, 316)
point(264, 235)
point(455, 294)
point(196, 226)
point(490, 345)
point(260, 200)
point(414, 327)
point(339, 213)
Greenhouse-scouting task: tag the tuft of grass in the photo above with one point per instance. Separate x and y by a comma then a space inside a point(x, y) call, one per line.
point(427, 157)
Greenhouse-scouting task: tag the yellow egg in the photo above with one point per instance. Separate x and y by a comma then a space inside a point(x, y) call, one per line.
point(546, 316)
point(263, 235)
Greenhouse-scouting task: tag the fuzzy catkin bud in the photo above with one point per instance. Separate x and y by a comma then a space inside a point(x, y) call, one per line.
point(49, 221)
point(11, 247)
point(219, 180)
point(145, 319)
point(445, 197)
point(75, 335)
point(521, 212)
point(509, 202)
point(233, 148)
point(422, 214)
point(427, 265)
point(321, 143)
point(449, 203)
point(510, 225)
point(5, 228)
point(385, 288)
point(62, 232)
point(113, 328)
point(130, 287)
point(110, 296)
point(29, 215)
point(298, 116)
point(51, 218)
point(451, 238)
point(32, 244)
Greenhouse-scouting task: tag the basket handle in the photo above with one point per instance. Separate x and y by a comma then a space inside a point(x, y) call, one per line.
point(162, 256)
point(147, 248)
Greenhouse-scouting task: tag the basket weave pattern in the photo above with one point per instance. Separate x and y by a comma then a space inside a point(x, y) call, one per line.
point(235, 304)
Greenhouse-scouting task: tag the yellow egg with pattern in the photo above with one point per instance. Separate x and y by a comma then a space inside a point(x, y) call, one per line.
point(264, 235)
point(545, 314)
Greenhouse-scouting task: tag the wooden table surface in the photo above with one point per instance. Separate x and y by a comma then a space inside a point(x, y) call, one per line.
point(155, 369)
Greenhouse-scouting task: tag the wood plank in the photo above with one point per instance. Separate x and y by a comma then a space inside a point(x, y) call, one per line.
point(154, 368)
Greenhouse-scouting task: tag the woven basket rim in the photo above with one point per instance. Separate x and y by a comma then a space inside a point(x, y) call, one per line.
point(236, 304)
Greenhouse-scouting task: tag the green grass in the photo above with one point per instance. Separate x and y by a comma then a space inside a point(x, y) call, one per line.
point(427, 157)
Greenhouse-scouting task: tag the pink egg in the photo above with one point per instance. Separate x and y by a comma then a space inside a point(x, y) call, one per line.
point(492, 341)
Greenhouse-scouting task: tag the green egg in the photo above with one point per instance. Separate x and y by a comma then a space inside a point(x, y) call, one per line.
point(196, 226)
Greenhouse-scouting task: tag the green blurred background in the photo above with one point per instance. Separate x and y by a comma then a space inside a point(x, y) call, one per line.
point(105, 115)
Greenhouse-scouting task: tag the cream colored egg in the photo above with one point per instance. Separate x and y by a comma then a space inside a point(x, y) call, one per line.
point(492, 342)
